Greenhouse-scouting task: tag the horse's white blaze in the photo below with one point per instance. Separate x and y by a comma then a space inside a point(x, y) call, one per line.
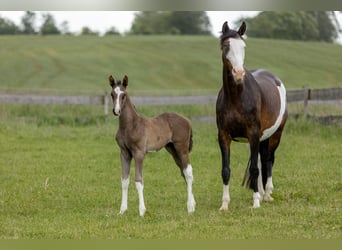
point(236, 53)
point(140, 188)
point(117, 107)
point(124, 186)
point(189, 179)
point(225, 198)
point(269, 131)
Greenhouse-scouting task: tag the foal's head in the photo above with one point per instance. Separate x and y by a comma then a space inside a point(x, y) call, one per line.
point(118, 93)
point(233, 50)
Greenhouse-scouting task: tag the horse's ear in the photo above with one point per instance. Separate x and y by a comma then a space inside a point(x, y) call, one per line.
point(125, 81)
point(111, 81)
point(225, 27)
point(242, 29)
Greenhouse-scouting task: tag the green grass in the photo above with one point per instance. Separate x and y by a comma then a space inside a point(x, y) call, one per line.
point(61, 180)
point(154, 64)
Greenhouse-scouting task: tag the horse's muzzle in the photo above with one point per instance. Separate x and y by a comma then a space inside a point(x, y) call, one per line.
point(238, 74)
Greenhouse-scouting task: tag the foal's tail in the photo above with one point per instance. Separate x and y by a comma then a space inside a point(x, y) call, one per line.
point(190, 141)
point(247, 178)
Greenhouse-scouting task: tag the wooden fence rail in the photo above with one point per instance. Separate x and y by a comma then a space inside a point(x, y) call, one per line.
point(302, 95)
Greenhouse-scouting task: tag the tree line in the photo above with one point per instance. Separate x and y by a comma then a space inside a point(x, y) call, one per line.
point(299, 25)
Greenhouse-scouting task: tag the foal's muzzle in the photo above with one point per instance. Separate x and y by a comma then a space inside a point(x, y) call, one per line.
point(116, 113)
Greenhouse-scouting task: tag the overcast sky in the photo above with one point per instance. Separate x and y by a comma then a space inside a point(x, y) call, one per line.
point(122, 20)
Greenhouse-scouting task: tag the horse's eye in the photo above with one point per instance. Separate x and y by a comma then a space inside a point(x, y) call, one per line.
point(123, 96)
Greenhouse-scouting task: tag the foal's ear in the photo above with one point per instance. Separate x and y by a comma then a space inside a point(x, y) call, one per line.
point(111, 81)
point(225, 27)
point(242, 29)
point(125, 81)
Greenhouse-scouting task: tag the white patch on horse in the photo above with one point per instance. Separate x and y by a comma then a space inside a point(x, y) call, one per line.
point(225, 198)
point(140, 188)
point(269, 131)
point(189, 179)
point(117, 107)
point(124, 185)
point(236, 53)
point(269, 189)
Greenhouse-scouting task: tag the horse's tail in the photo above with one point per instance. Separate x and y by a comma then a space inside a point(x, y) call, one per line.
point(247, 178)
point(190, 140)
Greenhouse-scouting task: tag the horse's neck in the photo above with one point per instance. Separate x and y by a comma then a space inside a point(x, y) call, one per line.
point(128, 115)
point(231, 89)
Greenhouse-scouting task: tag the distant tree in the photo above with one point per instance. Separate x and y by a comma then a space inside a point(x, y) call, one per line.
point(28, 23)
point(7, 27)
point(64, 28)
point(178, 22)
point(87, 31)
point(191, 22)
point(150, 22)
point(300, 25)
point(112, 31)
point(49, 25)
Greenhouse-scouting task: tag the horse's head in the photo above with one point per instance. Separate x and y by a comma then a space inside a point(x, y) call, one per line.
point(233, 50)
point(118, 94)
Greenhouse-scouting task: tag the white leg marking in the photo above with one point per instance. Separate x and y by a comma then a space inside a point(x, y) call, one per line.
point(225, 198)
point(269, 189)
point(256, 199)
point(268, 132)
point(260, 185)
point(140, 188)
point(189, 179)
point(124, 186)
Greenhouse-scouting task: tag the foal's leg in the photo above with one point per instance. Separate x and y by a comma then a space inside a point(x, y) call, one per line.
point(182, 160)
point(224, 142)
point(139, 160)
point(126, 159)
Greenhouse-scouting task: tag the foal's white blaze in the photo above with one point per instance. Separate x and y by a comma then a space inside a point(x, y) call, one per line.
point(124, 186)
point(269, 131)
point(117, 107)
point(140, 188)
point(236, 55)
point(225, 198)
point(189, 179)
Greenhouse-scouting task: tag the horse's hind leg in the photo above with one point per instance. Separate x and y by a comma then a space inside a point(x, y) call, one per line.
point(181, 158)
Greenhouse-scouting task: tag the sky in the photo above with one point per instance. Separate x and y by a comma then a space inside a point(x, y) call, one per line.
point(122, 20)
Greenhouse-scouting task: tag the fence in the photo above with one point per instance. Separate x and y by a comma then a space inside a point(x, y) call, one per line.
point(302, 95)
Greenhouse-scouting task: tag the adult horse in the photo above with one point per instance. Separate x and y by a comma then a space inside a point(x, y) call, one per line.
point(251, 106)
point(137, 135)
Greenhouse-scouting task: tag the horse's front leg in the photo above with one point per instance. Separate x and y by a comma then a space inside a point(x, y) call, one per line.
point(224, 142)
point(126, 159)
point(254, 170)
point(139, 160)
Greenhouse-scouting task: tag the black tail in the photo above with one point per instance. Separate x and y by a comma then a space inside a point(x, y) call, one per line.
point(247, 178)
point(190, 141)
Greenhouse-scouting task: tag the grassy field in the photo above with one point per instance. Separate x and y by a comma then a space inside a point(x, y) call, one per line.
point(60, 179)
point(60, 168)
point(154, 64)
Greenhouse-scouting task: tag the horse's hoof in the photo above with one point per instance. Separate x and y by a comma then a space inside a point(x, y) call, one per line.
point(224, 206)
point(268, 198)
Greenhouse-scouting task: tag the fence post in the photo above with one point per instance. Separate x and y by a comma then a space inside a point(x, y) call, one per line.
point(105, 103)
point(306, 101)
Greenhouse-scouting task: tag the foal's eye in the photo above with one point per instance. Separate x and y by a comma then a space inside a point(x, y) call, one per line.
point(123, 97)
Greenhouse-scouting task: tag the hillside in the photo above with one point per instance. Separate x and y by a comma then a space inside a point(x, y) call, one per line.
point(154, 64)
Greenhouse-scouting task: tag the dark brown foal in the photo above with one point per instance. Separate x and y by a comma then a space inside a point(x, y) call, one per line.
point(138, 135)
